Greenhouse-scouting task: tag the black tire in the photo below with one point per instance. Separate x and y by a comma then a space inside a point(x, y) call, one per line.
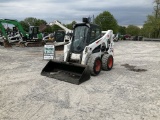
point(95, 65)
point(107, 62)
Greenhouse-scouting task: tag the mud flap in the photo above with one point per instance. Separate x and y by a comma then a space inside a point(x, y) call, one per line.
point(68, 72)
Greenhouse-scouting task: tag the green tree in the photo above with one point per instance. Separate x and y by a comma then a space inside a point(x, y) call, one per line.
point(56, 27)
point(151, 27)
point(122, 30)
point(70, 26)
point(48, 29)
point(107, 21)
point(39, 22)
point(30, 21)
point(25, 25)
point(133, 30)
point(157, 8)
point(34, 21)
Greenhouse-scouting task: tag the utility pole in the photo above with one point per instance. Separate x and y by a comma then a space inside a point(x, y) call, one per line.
point(157, 8)
point(157, 17)
point(93, 19)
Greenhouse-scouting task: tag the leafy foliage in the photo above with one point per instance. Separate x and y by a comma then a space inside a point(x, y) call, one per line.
point(70, 26)
point(34, 21)
point(30, 21)
point(122, 30)
point(133, 30)
point(151, 27)
point(25, 26)
point(107, 21)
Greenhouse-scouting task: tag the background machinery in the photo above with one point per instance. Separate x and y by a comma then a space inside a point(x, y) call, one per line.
point(87, 54)
point(60, 37)
point(5, 42)
point(33, 38)
point(68, 32)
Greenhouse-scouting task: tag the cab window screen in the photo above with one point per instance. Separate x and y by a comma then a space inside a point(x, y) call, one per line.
point(95, 34)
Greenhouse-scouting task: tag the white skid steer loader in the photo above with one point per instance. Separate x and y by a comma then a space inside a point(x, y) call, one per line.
point(87, 54)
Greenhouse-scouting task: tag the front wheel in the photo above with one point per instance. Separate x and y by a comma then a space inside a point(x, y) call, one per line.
point(95, 65)
point(107, 62)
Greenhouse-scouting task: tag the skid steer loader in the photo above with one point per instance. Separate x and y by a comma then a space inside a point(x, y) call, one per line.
point(87, 54)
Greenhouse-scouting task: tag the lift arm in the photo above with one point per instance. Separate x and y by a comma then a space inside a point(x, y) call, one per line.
point(15, 23)
point(3, 31)
point(62, 26)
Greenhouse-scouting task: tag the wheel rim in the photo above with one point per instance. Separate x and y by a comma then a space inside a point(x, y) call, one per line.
point(98, 65)
point(110, 62)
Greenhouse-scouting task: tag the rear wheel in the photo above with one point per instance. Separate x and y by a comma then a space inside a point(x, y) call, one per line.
point(95, 65)
point(107, 62)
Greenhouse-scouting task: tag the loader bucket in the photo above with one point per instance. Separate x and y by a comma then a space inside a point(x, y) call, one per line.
point(68, 72)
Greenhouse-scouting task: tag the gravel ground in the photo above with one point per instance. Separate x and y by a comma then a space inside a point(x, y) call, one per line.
point(130, 91)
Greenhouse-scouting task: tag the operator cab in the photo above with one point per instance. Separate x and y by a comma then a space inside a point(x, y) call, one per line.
point(59, 36)
point(84, 34)
point(33, 31)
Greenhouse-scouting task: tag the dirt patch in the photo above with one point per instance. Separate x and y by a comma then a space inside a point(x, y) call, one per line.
point(133, 68)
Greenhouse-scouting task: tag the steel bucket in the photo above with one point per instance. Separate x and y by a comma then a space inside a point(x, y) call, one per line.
point(65, 71)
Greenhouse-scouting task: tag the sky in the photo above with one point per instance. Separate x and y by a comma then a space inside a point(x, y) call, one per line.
point(126, 12)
